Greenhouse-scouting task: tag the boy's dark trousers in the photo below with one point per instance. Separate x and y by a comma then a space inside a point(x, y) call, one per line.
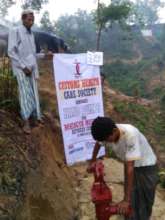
point(145, 181)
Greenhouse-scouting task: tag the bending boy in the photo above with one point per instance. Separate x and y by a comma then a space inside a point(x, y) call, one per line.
point(130, 146)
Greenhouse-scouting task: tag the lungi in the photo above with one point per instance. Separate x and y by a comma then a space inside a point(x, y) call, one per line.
point(145, 181)
point(28, 95)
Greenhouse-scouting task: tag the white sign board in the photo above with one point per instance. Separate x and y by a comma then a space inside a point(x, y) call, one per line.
point(79, 94)
point(146, 33)
point(95, 58)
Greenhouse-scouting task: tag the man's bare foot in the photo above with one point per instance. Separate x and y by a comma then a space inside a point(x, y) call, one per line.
point(26, 127)
point(40, 121)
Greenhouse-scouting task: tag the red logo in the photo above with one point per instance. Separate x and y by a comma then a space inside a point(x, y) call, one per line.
point(77, 67)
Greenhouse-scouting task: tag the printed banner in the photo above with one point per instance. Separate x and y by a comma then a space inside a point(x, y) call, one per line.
point(79, 94)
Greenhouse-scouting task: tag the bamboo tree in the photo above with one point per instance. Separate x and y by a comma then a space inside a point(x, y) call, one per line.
point(106, 15)
point(99, 26)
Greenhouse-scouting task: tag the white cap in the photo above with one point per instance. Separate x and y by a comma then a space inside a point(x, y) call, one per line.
point(27, 11)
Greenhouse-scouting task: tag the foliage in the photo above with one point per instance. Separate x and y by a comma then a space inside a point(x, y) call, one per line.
point(116, 12)
point(130, 76)
point(148, 120)
point(34, 4)
point(46, 24)
point(162, 100)
point(133, 112)
point(8, 91)
point(106, 15)
point(13, 167)
point(162, 177)
point(77, 30)
point(4, 5)
point(125, 78)
point(146, 12)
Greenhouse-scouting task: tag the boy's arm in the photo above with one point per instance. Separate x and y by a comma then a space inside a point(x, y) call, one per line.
point(129, 177)
point(128, 187)
point(95, 152)
point(94, 155)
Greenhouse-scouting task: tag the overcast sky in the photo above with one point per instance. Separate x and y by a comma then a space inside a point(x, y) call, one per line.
point(60, 7)
point(56, 8)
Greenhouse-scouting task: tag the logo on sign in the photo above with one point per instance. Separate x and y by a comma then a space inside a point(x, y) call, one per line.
point(77, 69)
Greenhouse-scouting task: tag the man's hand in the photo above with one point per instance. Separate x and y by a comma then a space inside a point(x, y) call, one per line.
point(123, 207)
point(49, 55)
point(27, 71)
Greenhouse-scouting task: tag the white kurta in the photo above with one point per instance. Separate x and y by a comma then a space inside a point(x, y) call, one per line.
point(22, 51)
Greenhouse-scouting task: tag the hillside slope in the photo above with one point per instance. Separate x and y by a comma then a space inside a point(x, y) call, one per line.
point(35, 181)
point(36, 184)
point(143, 113)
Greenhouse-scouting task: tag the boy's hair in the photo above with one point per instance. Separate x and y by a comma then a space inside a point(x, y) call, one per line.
point(102, 127)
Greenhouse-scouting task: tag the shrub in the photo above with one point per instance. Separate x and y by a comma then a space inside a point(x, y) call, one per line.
point(8, 90)
point(162, 177)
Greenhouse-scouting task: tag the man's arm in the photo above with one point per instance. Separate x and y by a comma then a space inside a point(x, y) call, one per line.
point(128, 187)
point(48, 55)
point(13, 51)
point(13, 48)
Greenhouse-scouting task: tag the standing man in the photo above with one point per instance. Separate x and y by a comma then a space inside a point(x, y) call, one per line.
point(22, 51)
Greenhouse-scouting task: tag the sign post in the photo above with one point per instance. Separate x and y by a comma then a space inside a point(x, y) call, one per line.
point(79, 94)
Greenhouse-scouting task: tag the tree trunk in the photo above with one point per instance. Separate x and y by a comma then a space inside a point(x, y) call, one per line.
point(99, 27)
point(98, 38)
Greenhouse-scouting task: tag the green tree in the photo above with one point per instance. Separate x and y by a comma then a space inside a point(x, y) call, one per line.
point(4, 5)
point(117, 11)
point(146, 12)
point(46, 24)
point(78, 30)
point(34, 4)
